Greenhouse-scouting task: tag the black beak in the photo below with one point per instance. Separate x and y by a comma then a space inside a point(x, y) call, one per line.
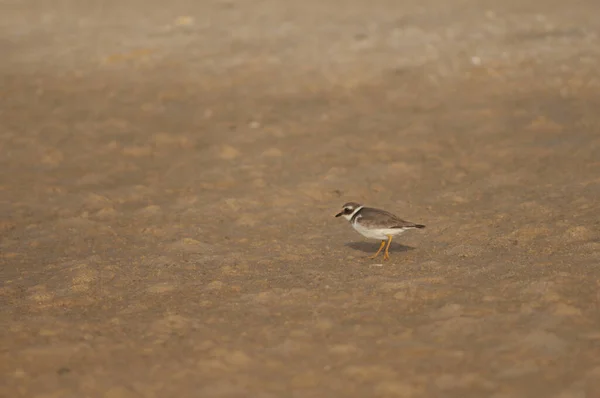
point(339, 214)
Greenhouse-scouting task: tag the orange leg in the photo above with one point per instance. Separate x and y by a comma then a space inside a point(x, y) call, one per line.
point(379, 251)
point(386, 255)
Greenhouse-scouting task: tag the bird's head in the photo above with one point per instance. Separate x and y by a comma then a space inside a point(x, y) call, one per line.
point(348, 210)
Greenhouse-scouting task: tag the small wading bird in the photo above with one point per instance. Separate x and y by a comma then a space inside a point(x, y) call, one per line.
point(376, 224)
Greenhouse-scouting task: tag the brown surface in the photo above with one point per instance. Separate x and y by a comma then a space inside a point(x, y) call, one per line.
point(169, 173)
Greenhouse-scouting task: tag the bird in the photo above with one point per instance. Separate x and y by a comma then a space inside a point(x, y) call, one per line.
point(377, 224)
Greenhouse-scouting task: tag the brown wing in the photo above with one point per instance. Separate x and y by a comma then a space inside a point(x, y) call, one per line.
point(375, 218)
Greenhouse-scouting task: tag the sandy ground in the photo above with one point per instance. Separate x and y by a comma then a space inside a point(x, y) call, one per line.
point(169, 172)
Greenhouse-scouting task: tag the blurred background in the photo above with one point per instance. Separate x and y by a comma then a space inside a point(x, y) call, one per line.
point(169, 173)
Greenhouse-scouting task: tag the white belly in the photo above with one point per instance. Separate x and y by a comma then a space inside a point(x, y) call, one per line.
point(380, 234)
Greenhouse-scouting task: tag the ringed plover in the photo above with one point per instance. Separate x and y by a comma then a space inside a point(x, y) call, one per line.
point(376, 224)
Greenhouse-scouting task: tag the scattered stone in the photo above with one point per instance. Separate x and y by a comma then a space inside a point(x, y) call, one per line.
point(397, 389)
point(566, 310)
point(272, 153)
point(343, 349)
point(545, 341)
point(228, 152)
point(160, 288)
point(137, 151)
point(150, 210)
point(120, 392)
point(215, 285)
point(579, 233)
point(237, 358)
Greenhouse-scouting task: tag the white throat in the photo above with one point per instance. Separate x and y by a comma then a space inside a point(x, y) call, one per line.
point(349, 216)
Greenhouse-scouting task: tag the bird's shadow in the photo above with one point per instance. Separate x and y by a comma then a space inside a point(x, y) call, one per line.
point(368, 247)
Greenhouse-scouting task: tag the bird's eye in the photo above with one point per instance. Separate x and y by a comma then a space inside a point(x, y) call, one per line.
point(347, 210)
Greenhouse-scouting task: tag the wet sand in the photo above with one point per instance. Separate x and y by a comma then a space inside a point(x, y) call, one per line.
point(169, 173)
